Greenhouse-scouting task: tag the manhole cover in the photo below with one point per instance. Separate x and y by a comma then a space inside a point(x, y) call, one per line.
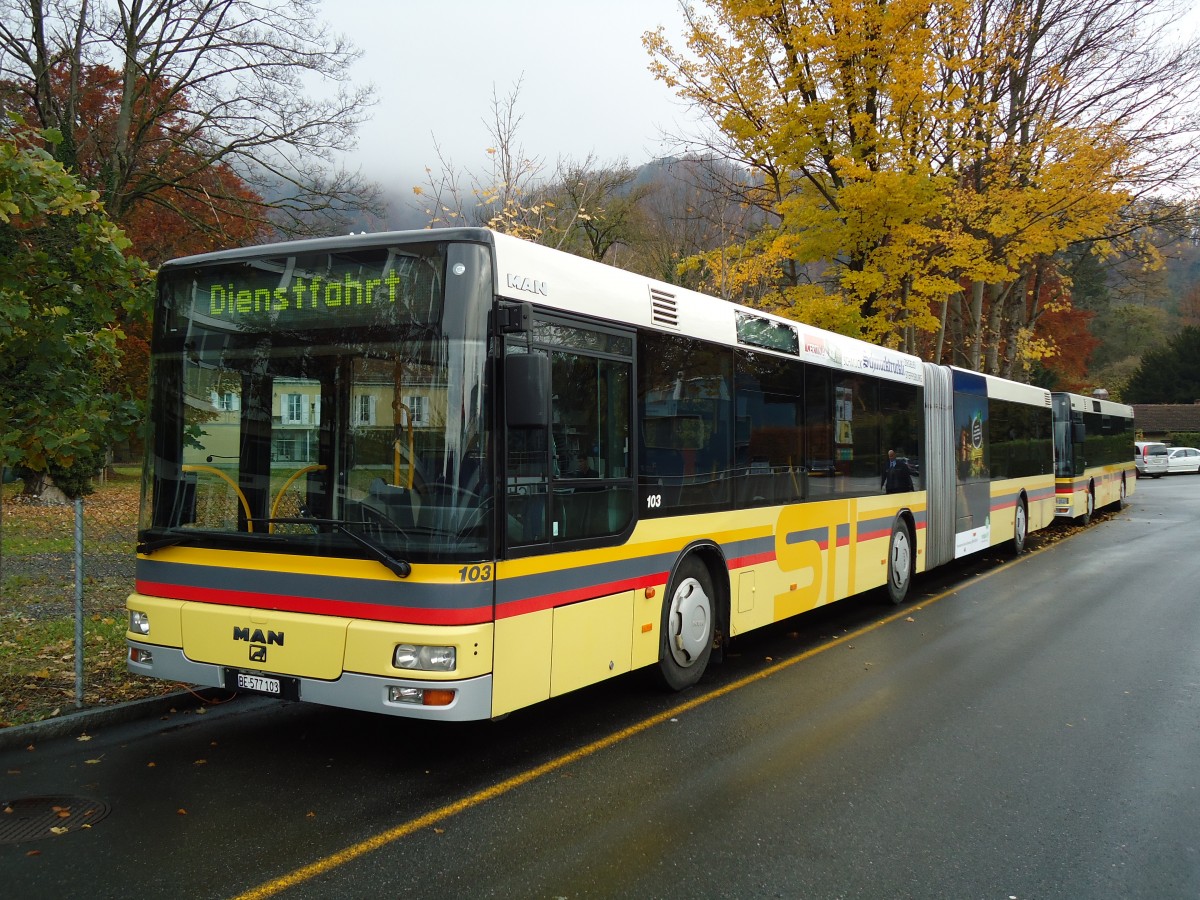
point(38, 818)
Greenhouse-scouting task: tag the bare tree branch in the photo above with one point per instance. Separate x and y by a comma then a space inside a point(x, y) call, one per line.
point(260, 87)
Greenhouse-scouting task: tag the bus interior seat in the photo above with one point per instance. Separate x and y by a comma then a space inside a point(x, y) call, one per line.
point(391, 503)
point(526, 515)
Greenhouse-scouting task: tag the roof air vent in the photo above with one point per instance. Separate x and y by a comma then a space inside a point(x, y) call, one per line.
point(663, 308)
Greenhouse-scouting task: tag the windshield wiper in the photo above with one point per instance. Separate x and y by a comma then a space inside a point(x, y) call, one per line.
point(399, 567)
point(176, 537)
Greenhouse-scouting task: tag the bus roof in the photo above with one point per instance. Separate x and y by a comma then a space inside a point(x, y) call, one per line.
point(1095, 404)
point(572, 284)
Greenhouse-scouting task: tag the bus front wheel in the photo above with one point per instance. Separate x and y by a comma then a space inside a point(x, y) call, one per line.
point(1091, 507)
point(900, 562)
point(1020, 529)
point(687, 626)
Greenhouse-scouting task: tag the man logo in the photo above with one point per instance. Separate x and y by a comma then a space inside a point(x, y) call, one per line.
point(531, 285)
point(258, 636)
point(258, 653)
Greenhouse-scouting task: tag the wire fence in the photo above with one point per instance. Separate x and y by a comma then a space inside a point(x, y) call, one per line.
point(65, 571)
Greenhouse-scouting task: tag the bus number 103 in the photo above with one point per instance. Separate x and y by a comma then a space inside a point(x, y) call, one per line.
point(475, 573)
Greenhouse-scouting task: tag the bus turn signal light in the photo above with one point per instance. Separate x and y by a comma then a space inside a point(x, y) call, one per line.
point(421, 696)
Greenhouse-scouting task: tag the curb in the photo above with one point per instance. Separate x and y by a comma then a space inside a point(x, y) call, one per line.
point(100, 716)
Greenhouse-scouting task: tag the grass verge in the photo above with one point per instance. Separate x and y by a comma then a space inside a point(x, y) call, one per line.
point(37, 621)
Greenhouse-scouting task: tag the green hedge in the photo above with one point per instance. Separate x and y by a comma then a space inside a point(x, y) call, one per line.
point(1184, 439)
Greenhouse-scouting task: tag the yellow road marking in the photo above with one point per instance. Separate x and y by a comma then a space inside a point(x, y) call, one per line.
point(353, 852)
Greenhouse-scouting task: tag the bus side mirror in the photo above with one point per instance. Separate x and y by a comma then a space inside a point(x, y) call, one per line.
point(1078, 432)
point(527, 390)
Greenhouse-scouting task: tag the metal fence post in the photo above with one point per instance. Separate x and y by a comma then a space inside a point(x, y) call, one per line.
point(78, 602)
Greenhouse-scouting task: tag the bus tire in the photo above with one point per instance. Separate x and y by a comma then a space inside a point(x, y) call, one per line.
point(1091, 507)
point(688, 623)
point(1020, 528)
point(899, 562)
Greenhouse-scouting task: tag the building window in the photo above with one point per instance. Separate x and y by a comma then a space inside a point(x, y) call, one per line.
point(364, 409)
point(226, 401)
point(418, 410)
point(293, 409)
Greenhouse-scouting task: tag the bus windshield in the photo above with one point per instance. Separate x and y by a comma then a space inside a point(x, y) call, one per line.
point(327, 401)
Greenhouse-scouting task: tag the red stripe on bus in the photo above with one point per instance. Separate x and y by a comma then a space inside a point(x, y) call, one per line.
point(590, 592)
point(757, 559)
point(873, 535)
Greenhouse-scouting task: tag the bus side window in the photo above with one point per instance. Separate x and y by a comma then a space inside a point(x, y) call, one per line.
point(571, 479)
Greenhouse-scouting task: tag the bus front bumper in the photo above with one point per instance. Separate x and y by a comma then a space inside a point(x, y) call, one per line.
point(368, 693)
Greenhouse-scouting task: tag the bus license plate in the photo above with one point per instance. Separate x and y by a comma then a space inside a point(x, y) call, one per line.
point(259, 684)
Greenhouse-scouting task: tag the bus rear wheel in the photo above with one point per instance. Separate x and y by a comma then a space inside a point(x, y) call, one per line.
point(900, 562)
point(688, 618)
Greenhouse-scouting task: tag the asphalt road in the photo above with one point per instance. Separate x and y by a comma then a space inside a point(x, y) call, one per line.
point(1019, 730)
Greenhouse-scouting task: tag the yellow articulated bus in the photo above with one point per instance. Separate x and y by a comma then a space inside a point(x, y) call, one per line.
point(450, 474)
point(1093, 463)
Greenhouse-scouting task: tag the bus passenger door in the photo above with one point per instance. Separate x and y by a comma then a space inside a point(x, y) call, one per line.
point(567, 486)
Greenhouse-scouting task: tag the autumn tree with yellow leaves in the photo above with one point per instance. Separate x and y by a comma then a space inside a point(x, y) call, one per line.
point(922, 165)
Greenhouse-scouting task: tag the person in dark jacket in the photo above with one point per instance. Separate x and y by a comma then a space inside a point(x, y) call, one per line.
point(897, 477)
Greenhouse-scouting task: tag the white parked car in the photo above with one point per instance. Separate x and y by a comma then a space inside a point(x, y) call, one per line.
point(1183, 459)
point(1150, 458)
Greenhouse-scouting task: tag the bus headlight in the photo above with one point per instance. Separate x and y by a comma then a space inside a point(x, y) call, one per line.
point(139, 622)
point(424, 658)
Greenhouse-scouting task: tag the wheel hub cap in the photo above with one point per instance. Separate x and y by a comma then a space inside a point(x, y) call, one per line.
point(691, 615)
